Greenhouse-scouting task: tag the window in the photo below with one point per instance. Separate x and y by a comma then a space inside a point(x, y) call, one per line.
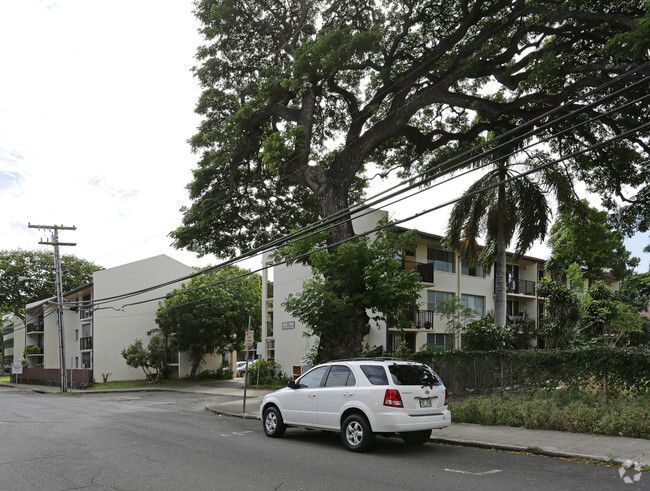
point(474, 302)
point(85, 360)
point(86, 331)
point(76, 334)
point(376, 374)
point(476, 271)
point(441, 341)
point(512, 307)
point(434, 298)
point(340, 376)
point(443, 260)
point(313, 379)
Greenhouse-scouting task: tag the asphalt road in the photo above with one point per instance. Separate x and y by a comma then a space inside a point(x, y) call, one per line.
point(165, 440)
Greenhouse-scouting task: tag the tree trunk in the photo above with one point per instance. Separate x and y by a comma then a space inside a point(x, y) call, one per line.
point(2, 353)
point(343, 344)
point(500, 283)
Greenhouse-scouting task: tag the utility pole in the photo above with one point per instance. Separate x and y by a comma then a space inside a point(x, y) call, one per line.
point(59, 290)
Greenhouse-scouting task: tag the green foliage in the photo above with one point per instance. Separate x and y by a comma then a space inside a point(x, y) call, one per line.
point(224, 372)
point(38, 267)
point(583, 235)
point(573, 410)
point(266, 371)
point(153, 360)
point(403, 352)
point(601, 367)
point(635, 291)
point(31, 350)
point(417, 82)
point(358, 277)
point(562, 315)
point(210, 313)
point(485, 334)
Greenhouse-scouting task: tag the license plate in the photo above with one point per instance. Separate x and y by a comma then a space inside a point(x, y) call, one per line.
point(425, 402)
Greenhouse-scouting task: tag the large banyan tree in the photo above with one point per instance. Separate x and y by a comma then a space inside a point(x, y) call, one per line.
point(302, 97)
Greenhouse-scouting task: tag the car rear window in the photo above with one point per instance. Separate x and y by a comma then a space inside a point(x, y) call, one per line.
point(403, 374)
point(376, 374)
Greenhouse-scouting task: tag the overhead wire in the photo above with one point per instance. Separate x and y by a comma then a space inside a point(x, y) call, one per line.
point(394, 223)
point(299, 235)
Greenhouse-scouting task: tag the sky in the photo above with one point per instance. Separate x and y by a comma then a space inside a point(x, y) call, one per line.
point(96, 106)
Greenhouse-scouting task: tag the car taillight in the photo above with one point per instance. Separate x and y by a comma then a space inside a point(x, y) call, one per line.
point(392, 398)
point(446, 398)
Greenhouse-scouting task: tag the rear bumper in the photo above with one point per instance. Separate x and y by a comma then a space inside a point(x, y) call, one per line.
point(399, 421)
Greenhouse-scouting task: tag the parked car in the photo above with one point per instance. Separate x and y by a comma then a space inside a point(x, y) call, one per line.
point(241, 368)
point(361, 398)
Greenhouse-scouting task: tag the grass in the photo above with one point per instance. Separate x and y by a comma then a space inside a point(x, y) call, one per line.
point(5, 379)
point(563, 410)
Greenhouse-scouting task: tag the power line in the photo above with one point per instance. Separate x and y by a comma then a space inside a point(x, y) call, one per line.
point(410, 218)
point(299, 235)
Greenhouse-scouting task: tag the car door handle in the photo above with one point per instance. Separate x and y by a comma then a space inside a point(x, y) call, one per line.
point(348, 394)
point(311, 395)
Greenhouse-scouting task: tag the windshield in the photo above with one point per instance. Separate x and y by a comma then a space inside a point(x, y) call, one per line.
point(421, 375)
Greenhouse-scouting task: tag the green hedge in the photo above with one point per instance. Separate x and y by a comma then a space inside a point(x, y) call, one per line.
point(610, 368)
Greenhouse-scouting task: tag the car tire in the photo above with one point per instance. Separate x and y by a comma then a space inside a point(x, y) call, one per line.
point(416, 437)
point(273, 424)
point(356, 433)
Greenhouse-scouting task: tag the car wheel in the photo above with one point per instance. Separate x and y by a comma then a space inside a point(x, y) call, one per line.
point(273, 424)
point(356, 433)
point(416, 437)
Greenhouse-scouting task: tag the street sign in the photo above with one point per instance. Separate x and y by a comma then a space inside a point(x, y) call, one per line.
point(250, 338)
point(17, 369)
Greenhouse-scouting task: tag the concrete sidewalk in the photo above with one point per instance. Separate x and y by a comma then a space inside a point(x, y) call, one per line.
point(623, 450)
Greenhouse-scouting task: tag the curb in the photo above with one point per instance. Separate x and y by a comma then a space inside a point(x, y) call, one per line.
point(529, 450)
point(230, 414)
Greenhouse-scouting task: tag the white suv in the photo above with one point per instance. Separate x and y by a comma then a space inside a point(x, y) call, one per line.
point(360, 398)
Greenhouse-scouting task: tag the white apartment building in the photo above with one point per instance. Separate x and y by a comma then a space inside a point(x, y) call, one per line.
point(443, 276)
point(99, 326)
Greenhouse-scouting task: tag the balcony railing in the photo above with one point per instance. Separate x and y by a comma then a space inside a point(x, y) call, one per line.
point(425, 270)
point(86, 343)
point(520, 287)
point(85, 313)
point(419, 319)
point(40, 350)
point(35, 327)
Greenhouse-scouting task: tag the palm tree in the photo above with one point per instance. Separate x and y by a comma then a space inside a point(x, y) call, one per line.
point(514, 210)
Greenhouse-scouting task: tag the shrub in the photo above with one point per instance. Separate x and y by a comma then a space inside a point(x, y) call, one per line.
point(563, 410)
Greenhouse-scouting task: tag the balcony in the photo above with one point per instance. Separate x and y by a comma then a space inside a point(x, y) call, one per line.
point(33, 351)
point(35, 327)
point(519, 287)
point(85, 313)
point(419, 319)
point(86, 343)
point(425, 270)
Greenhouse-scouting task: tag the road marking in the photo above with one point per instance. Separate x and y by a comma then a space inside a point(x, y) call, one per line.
point(484, 473)
point(236, 433)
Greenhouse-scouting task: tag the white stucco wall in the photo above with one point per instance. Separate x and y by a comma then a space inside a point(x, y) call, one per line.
point(114, 328)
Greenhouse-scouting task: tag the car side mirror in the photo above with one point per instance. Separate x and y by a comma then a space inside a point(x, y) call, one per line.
point(292, 384)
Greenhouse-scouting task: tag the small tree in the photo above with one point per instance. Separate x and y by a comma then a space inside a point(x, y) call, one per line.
point(153, 360)
point(362, 280)
point(210, 313)
point(563, 313)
